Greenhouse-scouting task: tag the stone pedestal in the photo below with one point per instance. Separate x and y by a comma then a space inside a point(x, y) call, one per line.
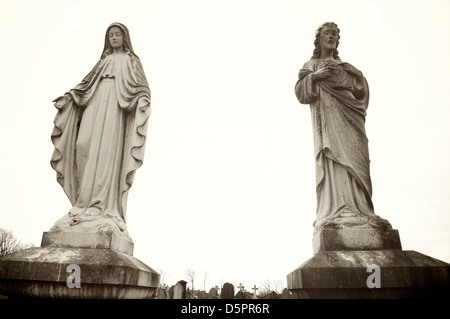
point(344, 259)
point(356, 239)
point(77, 265)
point(88, 240)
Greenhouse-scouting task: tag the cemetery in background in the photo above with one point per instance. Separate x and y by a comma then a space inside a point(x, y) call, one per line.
point(227, 291)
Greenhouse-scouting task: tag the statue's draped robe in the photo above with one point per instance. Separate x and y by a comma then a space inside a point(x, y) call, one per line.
point(338, 109)
point(99, 136)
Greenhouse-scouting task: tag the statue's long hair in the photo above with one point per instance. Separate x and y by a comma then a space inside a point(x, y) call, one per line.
point(127, 47)
point(316, 52)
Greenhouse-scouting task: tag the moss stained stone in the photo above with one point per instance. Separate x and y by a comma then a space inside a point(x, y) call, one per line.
point(41, 272)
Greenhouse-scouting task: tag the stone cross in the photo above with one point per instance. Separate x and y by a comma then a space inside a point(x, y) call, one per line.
point(254, 291)
point(241, 288)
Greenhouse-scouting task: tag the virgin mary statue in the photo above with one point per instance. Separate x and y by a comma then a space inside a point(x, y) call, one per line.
point(99, 137)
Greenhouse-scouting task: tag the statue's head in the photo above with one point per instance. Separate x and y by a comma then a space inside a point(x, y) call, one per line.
point(327, 35)
point(121, 31)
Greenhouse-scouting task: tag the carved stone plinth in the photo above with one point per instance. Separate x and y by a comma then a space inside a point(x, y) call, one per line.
point(343, 274)
point(343, 261)
point(106, 269)
point(330, 239)
point(107, 240)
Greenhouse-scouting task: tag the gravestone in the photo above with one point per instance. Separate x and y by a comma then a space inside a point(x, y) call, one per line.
point(273, 295)
point(179, 291)
point(240, 295)
point(227, 291)
point(167, 290)
point(213, 294)
point(171, 292)
point(202, 294)
point(357, 254)
point(161, 294)
point(243, 295)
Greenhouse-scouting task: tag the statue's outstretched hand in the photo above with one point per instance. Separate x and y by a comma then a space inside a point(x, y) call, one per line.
point(61, 101)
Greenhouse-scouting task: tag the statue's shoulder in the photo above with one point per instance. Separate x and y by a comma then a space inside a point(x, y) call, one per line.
point(309, 63)
point(312, 64)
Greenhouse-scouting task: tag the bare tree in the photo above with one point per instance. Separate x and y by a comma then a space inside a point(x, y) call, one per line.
point(265, 287)
point(221, 284)
point(9, 243)
point(204, 279)
point(279, 286)
point(162, 277)
point(190, 274)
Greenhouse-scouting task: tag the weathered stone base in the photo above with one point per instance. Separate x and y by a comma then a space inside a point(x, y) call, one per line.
point(108, 240)
point(45, 289)
point(332, 239)
point(344, 274)
point(41, 272)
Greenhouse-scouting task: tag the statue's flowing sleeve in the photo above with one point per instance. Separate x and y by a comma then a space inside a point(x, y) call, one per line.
point(305, 90)
point(65, 132)
point(64, 138)
point(134, 98)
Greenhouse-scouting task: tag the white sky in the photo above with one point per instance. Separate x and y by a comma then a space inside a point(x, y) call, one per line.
point(227, 184)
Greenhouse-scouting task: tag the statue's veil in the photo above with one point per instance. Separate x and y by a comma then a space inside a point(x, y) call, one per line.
point(126, 40)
